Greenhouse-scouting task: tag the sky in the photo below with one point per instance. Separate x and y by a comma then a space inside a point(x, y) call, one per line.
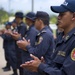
point(26, 6)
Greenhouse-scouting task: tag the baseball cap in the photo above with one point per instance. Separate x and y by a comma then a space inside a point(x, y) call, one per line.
point(8, 23)
point(42, 15)
point(68, 5)
point(19, 14)
point(31, 16)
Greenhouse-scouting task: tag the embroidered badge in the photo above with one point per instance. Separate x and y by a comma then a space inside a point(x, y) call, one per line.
point(73, 54)
point(39, 41)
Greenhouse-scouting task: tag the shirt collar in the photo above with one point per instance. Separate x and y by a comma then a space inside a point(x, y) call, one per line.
point(44, 29)
point(31, 26)
point(72, 32)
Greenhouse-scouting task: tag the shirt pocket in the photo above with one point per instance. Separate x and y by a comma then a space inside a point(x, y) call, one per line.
point(59, 59)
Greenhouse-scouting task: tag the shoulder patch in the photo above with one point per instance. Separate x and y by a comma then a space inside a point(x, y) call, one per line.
point(39, 41)
point(73, 54)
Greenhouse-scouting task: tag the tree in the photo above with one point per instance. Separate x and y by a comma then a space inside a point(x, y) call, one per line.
point(53, 19)
point(3, 16)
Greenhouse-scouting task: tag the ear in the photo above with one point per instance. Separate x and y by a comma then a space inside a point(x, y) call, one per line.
point(41, 21)
point(73, 18)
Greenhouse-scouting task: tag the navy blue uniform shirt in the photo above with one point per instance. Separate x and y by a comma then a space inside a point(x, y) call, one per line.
point(63, 57)
point(44, 44)
point(21, 29)
point(30, 34)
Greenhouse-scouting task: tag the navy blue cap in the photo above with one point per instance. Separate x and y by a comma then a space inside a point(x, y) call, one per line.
point(19, 14)
point(42, 15)
point(31, 16)
point(68, 5)
point(8, 23)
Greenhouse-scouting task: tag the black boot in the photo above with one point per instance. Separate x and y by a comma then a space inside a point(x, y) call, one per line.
point(7, 67)
point(14, 72)
point(21, 71)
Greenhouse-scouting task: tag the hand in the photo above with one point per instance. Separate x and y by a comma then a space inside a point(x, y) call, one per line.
point(2, 31)
point(8, 32)
point(15, 35)
point(33, 64)
point(23, 43)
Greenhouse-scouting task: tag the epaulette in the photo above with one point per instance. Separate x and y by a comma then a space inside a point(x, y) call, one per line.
point(44, 31)
point(22, 24)
point(67, 37)
point(38, 34)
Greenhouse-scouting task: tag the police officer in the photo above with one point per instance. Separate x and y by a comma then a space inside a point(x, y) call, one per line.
point(5, 46)
point(44, 44)
point(64, 55)
point(12, 49)
point(30, 34)
point(11, 52)
point(21, 29)
point(30, 20)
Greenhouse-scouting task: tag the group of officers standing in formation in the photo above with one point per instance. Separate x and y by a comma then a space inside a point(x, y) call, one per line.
point(33, 50)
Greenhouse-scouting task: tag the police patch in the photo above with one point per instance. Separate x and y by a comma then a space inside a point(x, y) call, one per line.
point(73, 54)
point(39, 41)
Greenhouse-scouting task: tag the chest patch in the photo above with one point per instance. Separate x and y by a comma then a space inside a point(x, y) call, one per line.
point(61, 53)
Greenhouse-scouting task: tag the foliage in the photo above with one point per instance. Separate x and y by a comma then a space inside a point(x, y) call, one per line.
point(53, 19)
point(3, 16)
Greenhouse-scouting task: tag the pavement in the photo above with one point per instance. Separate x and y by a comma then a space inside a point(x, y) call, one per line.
point(2, 60)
